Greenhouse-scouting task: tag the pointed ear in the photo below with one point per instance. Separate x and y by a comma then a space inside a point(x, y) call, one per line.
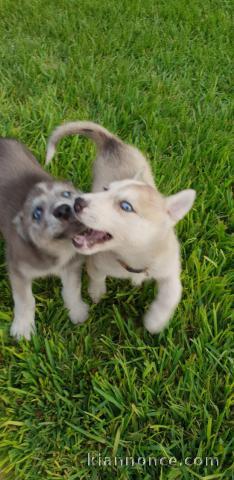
point(18, 222)
point(140, 175)
point(179, 204)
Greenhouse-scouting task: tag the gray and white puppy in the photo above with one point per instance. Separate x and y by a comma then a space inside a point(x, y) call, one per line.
point(130, 225)
point(37, 222)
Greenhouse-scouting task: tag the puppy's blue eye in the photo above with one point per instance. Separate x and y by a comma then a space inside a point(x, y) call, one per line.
point(66, 194)
point(126, 206)
point(37, 214)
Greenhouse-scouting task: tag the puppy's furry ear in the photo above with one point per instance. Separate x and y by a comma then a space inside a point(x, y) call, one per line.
point(140, 175)
point(18, 222)
point(179, 204)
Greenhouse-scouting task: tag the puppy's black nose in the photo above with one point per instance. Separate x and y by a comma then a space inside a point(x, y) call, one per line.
point(63, 212)
point(80, 203)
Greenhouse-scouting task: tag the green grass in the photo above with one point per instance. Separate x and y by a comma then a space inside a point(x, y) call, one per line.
point(157, 73)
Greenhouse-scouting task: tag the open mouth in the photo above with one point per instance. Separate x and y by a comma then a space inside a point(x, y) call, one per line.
point(90, 237)
point(70, 230)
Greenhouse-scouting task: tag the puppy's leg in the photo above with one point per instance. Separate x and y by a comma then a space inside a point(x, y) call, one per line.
point(23, 324)
point(71, 279)
point(161, 310)
point(97, 281)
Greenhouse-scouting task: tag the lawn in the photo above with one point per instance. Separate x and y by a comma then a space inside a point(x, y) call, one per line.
point(158, 74)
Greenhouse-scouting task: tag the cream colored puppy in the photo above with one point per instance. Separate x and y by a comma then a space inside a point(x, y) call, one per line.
point(129, 223)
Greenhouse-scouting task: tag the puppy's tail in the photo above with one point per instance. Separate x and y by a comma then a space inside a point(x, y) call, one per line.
point(102, 137)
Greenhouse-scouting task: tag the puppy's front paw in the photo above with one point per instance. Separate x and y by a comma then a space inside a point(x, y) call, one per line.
point(96, 291)
point(80, 313)
point(155, 320)
point(21, 329)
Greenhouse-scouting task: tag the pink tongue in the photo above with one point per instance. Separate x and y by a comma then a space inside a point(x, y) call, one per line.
point(89, 239)
point(80, 241)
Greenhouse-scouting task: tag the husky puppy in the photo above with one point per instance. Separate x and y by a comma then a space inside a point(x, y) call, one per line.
point(37, 222)
point(129, 223)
